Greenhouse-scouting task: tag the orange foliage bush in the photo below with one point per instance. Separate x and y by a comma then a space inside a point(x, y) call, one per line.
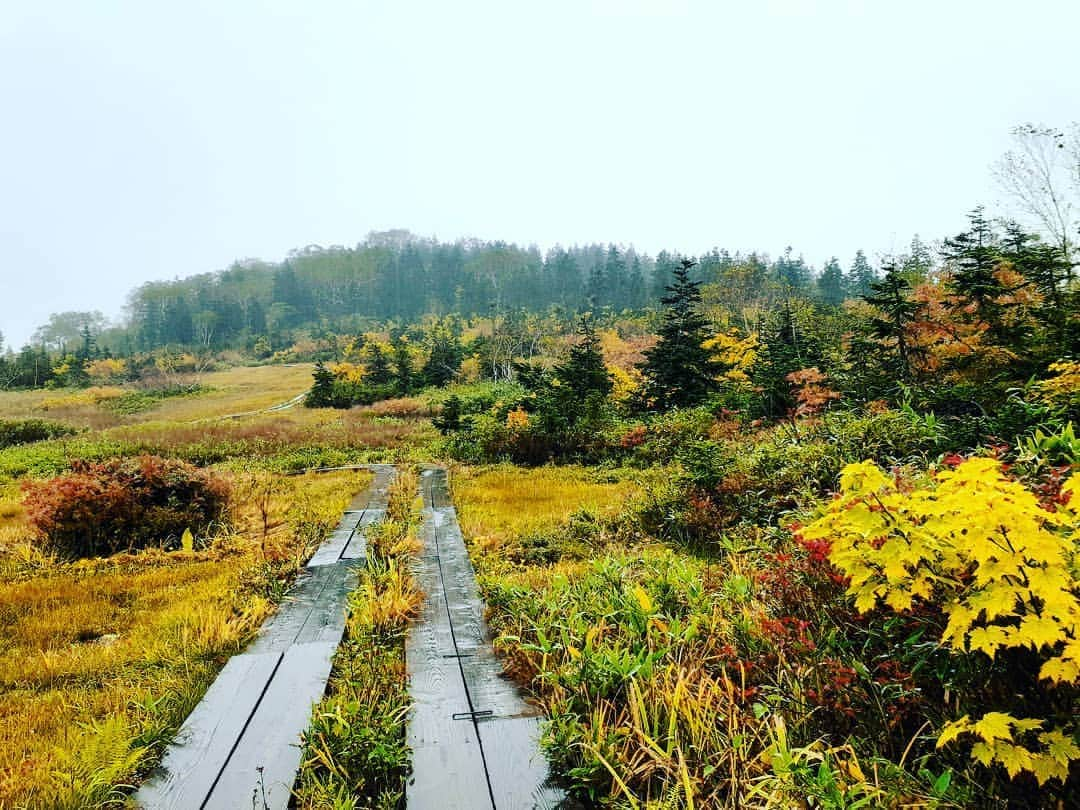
point(123, 504)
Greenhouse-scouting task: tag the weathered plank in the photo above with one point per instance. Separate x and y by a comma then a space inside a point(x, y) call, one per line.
point(192, 763)
point(264, 763)
point(357, 546)
point(282, 628)
point(516, 767)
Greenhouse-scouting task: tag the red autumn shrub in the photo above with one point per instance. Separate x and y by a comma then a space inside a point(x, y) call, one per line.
point(123, 504)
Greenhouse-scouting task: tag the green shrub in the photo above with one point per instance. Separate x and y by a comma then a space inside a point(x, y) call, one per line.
point(25, 431)
point(143, 400)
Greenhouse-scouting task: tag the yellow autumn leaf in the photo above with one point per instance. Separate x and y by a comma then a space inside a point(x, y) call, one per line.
point(953, 730)
point(1059, 747)
point(1046, 768)
point(993, 726)
point(987, 639)
point(643, 600)
point(1059, 670)
point(1039, 631)
point(1015, 758)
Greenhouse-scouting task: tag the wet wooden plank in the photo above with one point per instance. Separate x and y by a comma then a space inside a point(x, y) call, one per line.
point(516, 766)
point(327, 619)
point(489, 689)
point(449, 777)
point(281, 629)
point(357, 546)
point(193, 762)
point(330, 551)
point(241, 744)
point(263, 766)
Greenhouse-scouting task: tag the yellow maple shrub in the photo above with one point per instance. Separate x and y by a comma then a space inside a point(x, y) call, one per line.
point(1002, 567)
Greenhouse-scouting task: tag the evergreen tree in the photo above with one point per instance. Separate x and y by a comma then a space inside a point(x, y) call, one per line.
point(792, 273)
point(973, 259)
point(860, 276)
point(784, 349)
point(88, 344)
point(663, 274)
point(678, 370)
point(322, 393)
point(448, 419)
point(616, 279)
point(918, 263)
point(404, 374)
point(584, 373)
point(598, 288)
point(892, 297)
point(378, 368)
point(830, 283)
point(444, 360)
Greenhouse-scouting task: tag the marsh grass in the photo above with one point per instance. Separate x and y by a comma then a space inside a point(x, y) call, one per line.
point(100, 661)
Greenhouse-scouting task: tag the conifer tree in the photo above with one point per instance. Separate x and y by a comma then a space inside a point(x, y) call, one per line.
point(449, 418)
point(892, 297)
point(584, 373)
point(444, 360)
point(321, 394)
point(679, 372)
point(830, 283)
point(378, 367)
point(404, 374)
point(860, 276)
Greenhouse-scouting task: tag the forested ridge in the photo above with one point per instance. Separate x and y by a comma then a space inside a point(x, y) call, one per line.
point(258, 307)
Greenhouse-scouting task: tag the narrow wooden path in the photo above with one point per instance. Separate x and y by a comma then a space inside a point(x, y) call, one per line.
point(241, 746)
point(474, 739)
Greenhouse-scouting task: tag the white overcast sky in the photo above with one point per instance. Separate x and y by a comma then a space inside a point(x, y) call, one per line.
point(148, 140)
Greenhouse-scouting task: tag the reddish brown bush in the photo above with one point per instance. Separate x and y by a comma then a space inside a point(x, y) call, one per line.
point(123, 504)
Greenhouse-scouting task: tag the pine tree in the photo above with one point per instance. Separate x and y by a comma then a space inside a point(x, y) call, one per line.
point(378, 367)
point(860, 276)
point(784, 349)
point(584, 373)
point(830, 283)
point(448, 419)
point(892, 296)
point(918, 262)
point(321, 394)
point(444, 360)
point(404, 374)
point(792, 273)
point(678, 370)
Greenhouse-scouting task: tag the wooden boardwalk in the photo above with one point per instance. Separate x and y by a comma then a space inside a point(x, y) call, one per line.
point(241, 746)
point(474, 739)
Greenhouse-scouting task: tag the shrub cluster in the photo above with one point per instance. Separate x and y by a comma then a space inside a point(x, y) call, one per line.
point(24, 431)
point(100, 508)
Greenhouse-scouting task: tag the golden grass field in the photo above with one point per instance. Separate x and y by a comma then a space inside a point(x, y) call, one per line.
point(235, 390)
